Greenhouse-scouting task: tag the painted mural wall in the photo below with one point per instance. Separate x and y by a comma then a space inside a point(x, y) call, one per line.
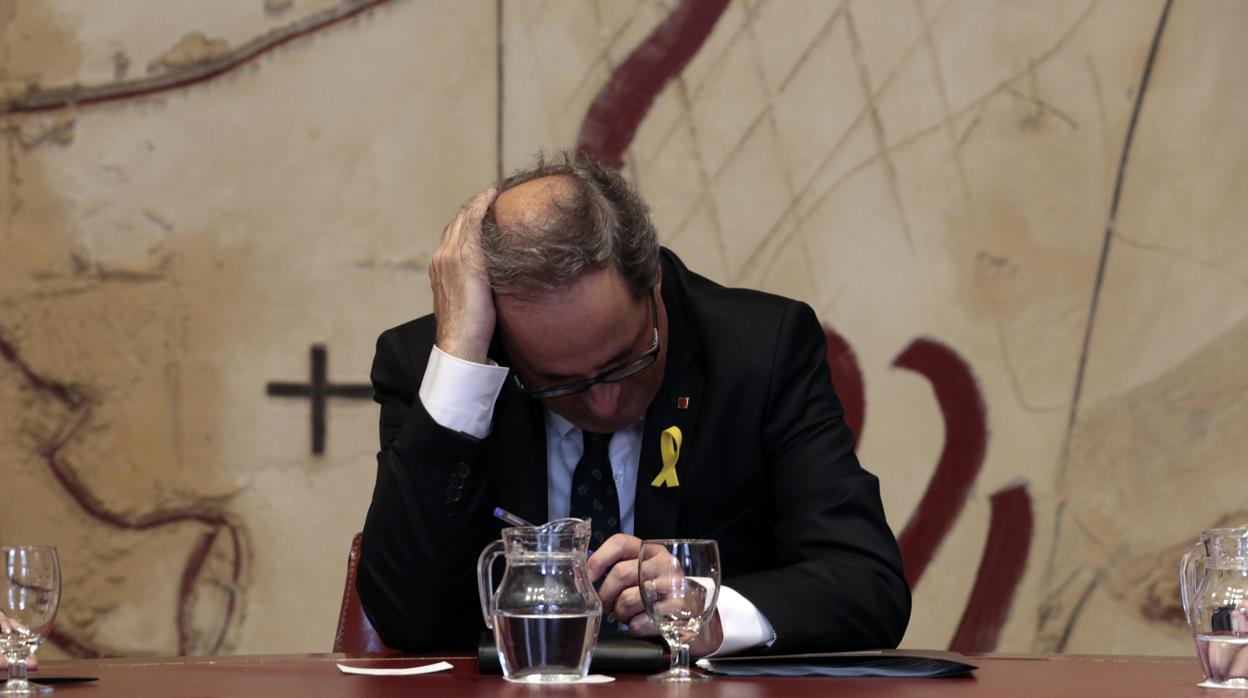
point(1020, 222)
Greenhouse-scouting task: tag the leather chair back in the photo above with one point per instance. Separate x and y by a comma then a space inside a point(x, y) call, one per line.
point(355, 634)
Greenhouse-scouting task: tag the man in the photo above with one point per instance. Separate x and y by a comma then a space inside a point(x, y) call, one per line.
point(609, 342)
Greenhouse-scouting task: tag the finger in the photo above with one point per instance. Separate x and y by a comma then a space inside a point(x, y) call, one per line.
point(464, 230)
point(642, 626)
point(1236, 658)
point(479, 205)
point(621, 577)
point(710, 639)
point(465, 235)
point(675, 608)
point(1238, 668)
point(450, 235)
point(619, 547)
point(446, 231)
point(629, 605)
point(451, 231)
point(659, 565)
point(32, 662)
point(1219, 657)
point(1239, 621)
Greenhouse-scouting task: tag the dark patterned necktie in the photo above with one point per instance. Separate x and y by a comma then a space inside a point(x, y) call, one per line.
point(593, 489)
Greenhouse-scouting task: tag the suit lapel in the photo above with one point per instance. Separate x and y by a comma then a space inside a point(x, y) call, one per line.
point(676, 405)
point(657, 507)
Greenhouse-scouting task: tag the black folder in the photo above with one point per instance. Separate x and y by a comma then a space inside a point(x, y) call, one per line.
point(52, 680)
point(891, 663)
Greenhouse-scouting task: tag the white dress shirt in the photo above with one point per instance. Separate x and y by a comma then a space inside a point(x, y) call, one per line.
point(460, 395)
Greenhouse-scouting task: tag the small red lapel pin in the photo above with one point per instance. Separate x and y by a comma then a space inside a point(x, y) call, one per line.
point(682, 403)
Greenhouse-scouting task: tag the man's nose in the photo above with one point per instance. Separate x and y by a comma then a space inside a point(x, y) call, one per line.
point(603, 399)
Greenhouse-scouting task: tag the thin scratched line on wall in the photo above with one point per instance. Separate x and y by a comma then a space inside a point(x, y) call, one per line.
point(777, 151)
point(878, 132)
point(73, 96)
point(1068, 628)
point(942, 89)
point(498, 38)
point(979, 102)
point(835, 149)
point(780, 243)
point(1109, 234)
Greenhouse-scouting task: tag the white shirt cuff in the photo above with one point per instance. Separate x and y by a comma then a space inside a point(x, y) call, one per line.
point(460, 395)
point(744, 625)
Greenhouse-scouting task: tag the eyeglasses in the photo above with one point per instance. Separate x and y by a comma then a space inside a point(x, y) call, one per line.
point(617, 373)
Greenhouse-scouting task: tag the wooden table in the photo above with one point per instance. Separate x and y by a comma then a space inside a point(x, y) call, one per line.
point(305, 676)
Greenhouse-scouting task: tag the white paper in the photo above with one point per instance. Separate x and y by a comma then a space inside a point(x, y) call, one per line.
point(406, 671)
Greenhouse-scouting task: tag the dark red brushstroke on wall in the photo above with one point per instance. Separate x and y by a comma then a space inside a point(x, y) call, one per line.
point(1000, 571)
point(145, 87)
point(966, 442)
point(847, 379)
point(84, 499)
point(617, 111)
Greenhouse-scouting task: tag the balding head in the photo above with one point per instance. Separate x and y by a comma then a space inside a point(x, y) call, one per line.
point(533, 203)
point(555, 221)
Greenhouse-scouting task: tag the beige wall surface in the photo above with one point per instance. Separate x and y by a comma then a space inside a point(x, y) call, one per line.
point(194, 194)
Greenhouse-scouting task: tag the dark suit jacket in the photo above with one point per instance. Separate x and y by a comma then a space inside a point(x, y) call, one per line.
point(766, 467)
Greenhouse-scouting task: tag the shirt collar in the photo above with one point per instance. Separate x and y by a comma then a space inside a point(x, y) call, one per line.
point(559, 424)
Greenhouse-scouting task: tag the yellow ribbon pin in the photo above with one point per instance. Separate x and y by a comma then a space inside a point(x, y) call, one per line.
point(669, 447)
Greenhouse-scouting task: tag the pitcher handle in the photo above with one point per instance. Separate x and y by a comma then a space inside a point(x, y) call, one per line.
point(485, 578)
point(1187, 580)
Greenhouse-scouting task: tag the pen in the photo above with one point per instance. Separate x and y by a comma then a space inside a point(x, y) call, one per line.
point(508, 517)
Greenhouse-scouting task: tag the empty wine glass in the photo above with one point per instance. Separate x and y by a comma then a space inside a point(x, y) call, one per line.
point(679, 582)
point(30, 593)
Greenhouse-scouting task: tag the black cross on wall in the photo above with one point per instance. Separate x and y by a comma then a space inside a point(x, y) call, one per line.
point(319, 388)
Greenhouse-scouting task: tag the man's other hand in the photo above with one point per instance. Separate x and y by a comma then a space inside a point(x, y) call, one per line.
point(617, 560)
point(9, 626)
point(462, 301)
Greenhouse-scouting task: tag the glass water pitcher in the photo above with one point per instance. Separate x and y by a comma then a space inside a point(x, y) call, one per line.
point(1213, 580)
point(545, 613)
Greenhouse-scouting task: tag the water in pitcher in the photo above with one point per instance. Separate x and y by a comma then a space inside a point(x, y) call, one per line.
point(1224, 657)
point(542, 648)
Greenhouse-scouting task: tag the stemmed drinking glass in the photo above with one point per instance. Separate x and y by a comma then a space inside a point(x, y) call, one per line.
point(679, 581)
point(30, 593)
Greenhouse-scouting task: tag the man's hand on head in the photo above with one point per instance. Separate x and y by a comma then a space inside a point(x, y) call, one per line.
point(616, 564)
point(8, 625)
point(462, 301)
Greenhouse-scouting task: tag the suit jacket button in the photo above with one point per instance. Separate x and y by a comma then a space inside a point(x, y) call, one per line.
point(463, 470)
